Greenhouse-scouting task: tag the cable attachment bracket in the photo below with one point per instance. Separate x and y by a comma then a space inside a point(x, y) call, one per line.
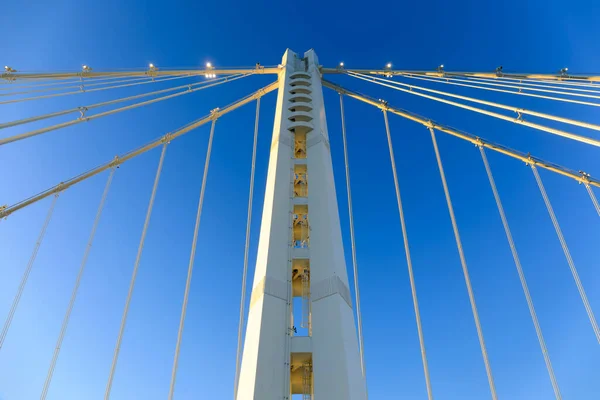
point(166, 139)
point(585, 178)
point(519, 115)
point(82, 111)
point(152, 71)
point(8, 74)
point(479, 142)
point(383, 105)
point(214, 113)
point(530, 161)
point(59, 189)
point(85, 71)
point(115, 163)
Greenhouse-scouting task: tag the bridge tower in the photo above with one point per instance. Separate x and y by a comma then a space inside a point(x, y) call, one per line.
point(300, 336)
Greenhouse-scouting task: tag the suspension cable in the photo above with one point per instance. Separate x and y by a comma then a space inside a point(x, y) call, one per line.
point(86, 253)
point(555, 83)
point(20, 77)
point(526, 158)
point(593, 197)
point(517, 110)
point(25, 277)
point(443, 73)
point(515, 255)
point(353, 242)
point(520, 88)
point(527, 84)
point(110, 112)
point(81, 87)
point(134, 275)
point(520, 121)
point(191, 263)
point(411, 276)
point(82, 109)
point(19, 85)
point(463, 262)
point(238, 358)
point(5, 211)
point(539, 96)
point(565, 248)
point(47, 96)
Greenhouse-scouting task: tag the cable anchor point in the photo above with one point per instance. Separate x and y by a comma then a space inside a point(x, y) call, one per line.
point(499, 71)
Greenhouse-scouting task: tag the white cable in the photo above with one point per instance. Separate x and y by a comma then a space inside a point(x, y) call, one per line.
point(565, 248)
point(353, 244)
point(593, 197)
point(47, 96)
point(525, 83)
point(86, 253)
point(25, 277)
point(517, 110)
point(411, 276)
point(463, 262)
point(134, 274)
point(105, 103)
point(81, 87)
point(519, 121)
point(5, 211)
point(449, 81)
point(238, 357)
point(191, 263)
point(515, 255)
point(589, 96)
point(110, 112)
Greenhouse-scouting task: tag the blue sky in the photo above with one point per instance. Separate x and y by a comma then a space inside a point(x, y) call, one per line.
point(521, 36)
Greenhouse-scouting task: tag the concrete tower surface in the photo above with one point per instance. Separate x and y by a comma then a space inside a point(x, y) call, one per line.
point(300, 337)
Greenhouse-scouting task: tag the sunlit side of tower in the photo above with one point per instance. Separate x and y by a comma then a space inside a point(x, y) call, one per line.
point(300, 337)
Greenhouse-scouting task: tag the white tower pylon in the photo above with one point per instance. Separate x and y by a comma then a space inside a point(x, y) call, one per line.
point(300, 277)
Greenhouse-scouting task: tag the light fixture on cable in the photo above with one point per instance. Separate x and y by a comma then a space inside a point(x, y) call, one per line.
point(388, 69)
point(209, 67)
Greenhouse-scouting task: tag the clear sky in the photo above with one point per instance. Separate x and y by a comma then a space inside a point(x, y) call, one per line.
point(535, 35)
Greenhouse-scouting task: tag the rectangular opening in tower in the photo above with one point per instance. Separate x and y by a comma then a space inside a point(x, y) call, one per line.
point(301, 314)
point(300, 181)
point(300, 143)
point(300, 229)
point(301, 375)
